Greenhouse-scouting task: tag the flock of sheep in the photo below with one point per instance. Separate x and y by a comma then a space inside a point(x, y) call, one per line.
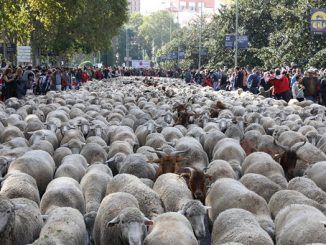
point(160, 162)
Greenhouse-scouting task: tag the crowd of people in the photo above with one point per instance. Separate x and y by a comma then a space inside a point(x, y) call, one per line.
point(285, 82)
point(281, 83)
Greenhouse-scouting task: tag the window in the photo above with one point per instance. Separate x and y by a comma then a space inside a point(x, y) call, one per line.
point(192, 6)
point(183, 5)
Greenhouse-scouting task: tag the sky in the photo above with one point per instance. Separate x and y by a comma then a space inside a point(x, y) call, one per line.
point(153, 5)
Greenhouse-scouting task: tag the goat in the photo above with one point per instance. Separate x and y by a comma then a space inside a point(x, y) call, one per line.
point(288, 159)
point(196, 181)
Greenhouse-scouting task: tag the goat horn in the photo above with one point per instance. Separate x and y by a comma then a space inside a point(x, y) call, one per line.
point(162, 153)
point(179, 152)
point(299, 146)
point(281, 146)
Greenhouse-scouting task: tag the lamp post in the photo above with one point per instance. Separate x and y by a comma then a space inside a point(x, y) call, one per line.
point(200, 34)
point(236, 32)
point(127, 48)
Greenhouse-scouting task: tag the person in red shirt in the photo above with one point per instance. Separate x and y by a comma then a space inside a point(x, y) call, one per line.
point(281, 86)
point(85, 77)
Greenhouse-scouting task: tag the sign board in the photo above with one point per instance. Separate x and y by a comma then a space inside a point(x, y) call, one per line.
point(203, 51)
point(229, 41)
point(318, 21)
point(24, 54)
point(141, 64)
point(10, 48)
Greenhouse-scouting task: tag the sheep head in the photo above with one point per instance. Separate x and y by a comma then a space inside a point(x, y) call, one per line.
point(196, 181)
point(289, 158)
point(195, 212)
point(132, 225)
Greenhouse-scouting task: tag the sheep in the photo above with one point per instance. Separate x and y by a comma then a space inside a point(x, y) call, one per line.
point(260, 184)
point(193, 151)
point(119, 221)
point(149, 202)
point(64, 225)
point(317, 173)
point(176, 197)
point(219, 169)
point(284, 198)
point(232, 194)
point(62, 192)
point(238, 225)
point(210, 140)
point(20, 221)
point(73, 166)
point(59, 154)
point(171, 228)
point(44, 135)
point(136, 164)
point(231, 151)
point(94, 153)
point(119, 147)
point(36, 163)
point(307, 187)
point(94, 184)
point(43, 145)
point(10, 133)
point(262, 163)
point(300, 224)
point(18, 184)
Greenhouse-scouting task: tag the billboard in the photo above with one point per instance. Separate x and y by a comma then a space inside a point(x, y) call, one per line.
point(318, 21)
point(229, 41)
point(141, 64)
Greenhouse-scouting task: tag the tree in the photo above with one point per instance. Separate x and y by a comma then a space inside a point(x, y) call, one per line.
point(156, 29)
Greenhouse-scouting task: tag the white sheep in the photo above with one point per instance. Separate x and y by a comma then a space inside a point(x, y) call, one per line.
point(64, 225)
point(59, 154)
point(62, 192)
point(229, 193)
point(149, 201)
point(18, 184)
point(119, 221)
point(38, 164)
point(260, 184)
point(218, 169)
point(317, 173)
point(300, 224)
point(20, 221)
point(307, 187)
point(284, 198)
point(171, 228)
point(262, 163)
point(73, 166)
point(238, 225)
point(177, 197)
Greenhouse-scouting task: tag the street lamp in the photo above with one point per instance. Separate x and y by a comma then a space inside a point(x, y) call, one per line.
point(200, 34)
point(236, 32)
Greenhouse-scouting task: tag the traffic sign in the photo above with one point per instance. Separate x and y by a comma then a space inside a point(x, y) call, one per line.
point(229, 41)
point(24, 54)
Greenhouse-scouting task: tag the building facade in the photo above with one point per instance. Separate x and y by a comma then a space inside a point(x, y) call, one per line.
point(134, 6)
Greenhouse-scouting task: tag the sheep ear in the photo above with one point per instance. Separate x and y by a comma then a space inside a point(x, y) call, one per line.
point(148, 222)
point(182, 212)
point(113, 222)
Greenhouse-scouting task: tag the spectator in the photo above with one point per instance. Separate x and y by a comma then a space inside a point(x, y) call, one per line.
point(238, 78)
point(254, 81)
point(58, 79)
point(323, 88)
point(9, 84)
point(20, 83)
point(310, 82)
point(297, 89)
point(281, 86)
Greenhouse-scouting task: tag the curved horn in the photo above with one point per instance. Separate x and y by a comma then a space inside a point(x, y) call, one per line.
point(175, 153)
point(281, 146)
point(299, 146)
point(161, 153)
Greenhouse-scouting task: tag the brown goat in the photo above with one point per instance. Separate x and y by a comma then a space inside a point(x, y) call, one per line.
point(288, 160)
point(216, 108)
point(168, 163)
point(196, 181)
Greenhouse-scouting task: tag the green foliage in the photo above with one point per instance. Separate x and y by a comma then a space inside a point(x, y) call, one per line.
point(62, 26)
point(278, 30)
